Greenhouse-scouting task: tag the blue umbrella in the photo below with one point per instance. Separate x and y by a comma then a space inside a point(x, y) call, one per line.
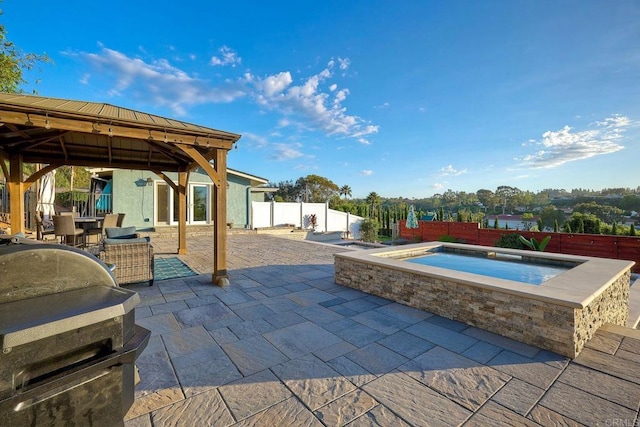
point(412, 220)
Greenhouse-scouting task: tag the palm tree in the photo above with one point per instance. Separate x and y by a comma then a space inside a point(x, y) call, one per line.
point(346, 191)
point(373, 200)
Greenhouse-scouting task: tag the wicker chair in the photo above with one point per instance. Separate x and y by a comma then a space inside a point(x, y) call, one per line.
point(132, 257)
point(65, 227)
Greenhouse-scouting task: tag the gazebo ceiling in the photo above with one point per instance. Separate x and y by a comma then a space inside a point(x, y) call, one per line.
point(77, 133)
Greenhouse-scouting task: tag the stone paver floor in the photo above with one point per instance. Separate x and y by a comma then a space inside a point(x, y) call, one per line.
point(284, 345)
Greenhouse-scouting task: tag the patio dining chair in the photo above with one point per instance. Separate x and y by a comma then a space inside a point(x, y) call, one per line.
point(64, 227)
point(108, 221)
point(41, 229)
point(120, 219)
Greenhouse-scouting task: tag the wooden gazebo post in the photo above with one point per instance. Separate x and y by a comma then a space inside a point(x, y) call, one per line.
point(16, 193)
point(220, 221)
point(182, 213)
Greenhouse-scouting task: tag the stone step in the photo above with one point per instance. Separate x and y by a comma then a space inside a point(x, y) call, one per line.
point(634, 304)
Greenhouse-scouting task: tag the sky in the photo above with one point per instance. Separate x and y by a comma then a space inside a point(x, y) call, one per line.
point(405, 99)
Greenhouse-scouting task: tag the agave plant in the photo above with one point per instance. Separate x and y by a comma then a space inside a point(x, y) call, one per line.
point(533, 243)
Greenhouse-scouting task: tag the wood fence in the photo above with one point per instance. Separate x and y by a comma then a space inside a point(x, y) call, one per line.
point(595, 245)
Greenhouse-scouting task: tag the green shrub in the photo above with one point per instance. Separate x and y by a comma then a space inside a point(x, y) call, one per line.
point(368, 230)
point(509, 241)
point(447, 239)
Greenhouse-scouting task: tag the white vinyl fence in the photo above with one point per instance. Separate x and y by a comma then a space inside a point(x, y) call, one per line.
point(278, 214)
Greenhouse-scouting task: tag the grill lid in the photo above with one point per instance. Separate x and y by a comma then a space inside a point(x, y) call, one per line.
point(27, 320)
point(30, 270)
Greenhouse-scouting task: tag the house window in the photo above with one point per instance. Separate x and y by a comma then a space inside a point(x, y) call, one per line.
point(198, 204)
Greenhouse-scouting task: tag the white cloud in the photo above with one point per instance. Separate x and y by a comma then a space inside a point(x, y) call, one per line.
point(283, 151)
point(159, 82)
point(307, 105)
point(366, 172)
point(344, 63)
point(227, 57)
point(364, 141)
point(450, 171)
point(437, 186)
point(307, 102)
point(565, 145)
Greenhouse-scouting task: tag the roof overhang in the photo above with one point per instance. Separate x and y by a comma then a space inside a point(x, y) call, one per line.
point(78, 133)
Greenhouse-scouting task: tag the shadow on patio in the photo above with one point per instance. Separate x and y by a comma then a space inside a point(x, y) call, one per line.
point(285, 345)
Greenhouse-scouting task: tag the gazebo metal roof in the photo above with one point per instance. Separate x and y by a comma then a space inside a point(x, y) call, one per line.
point(70, 132)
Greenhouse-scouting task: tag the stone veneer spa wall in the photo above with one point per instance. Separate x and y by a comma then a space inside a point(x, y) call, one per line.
point(560, 315)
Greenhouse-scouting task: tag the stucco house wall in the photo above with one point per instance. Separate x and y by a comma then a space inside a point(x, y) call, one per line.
point(136, 197)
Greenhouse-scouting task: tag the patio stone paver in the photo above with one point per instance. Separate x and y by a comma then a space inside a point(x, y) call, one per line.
point(584, 407)
point(313, 381)
point(253, 354)
point(518, 396)
point(546, 417)
point(376, 359)
point(351, 370)
point(204, 369)
point(300, 339)
point(346, 408)
point(535, 373)
point(378, 416)
point(443, 337)
point(187, 341)
point(199, 315)
point(610, 364)
point(254, 393)
point(462, 380)
point(290, 412)
point(493, 414)
point(614, 389)
point(406, 344)
point(205, 409)
point(415, 402)
point(160, 324)
point(380, 322)
point(283, 345)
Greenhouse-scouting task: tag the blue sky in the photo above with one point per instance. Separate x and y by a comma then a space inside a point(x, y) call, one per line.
point(406, 98)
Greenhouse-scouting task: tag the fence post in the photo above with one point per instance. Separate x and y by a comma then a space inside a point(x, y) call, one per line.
point(273, 213)
point(348, 224)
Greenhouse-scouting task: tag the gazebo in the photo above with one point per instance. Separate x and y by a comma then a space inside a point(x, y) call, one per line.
point(59, 132)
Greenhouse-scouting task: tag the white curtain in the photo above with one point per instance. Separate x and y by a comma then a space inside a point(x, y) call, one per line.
point(47, 196)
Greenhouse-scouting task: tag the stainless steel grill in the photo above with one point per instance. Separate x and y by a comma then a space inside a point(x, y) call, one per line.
point(68, 336)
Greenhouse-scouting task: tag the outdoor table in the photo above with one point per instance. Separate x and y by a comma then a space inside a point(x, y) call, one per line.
point(88, 223)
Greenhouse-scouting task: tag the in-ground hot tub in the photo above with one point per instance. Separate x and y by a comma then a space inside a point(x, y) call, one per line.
point(559, 314)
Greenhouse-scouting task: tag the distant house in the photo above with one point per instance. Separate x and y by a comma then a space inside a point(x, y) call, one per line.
point(149, 202)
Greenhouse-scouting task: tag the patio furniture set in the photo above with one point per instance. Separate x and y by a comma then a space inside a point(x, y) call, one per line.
point(116, 245)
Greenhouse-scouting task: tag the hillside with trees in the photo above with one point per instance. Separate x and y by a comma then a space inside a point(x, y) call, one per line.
point(609, 211)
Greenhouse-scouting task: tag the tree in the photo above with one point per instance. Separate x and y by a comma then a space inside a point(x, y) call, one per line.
point(287, 191)
point(373, 200)
point(507, 195)
point(488, 199)
point(13, 62)
point(316, 189)
point(550, 216)
point(345, 191)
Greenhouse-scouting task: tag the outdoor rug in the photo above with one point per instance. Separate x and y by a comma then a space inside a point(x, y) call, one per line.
point(171, 268)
